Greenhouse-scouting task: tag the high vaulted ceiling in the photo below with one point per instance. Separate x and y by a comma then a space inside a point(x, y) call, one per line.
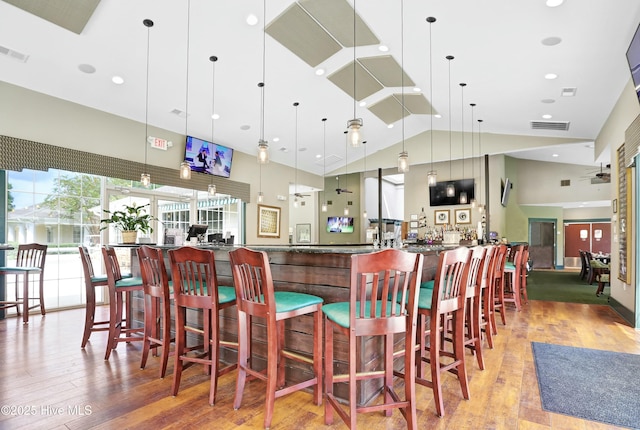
point(503, 49)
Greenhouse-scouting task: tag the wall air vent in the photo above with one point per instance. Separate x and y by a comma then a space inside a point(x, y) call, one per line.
point(565, 182)
point(550, 125)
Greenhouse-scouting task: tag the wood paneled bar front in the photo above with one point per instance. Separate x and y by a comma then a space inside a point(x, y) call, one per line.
point(323, 271)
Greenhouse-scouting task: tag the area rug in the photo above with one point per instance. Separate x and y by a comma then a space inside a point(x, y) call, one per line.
point(591, 384)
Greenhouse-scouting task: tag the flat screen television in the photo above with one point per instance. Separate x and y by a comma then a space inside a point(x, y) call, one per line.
point(208, 157)
point(506, 189)
point(340, 224)
point(438, 193)
point(633, 58)
point(197, 231)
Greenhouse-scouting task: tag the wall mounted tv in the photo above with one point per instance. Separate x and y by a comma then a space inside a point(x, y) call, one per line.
point(505, 190)
point(339, 224)
point(438, 193)
point(633, 58)
point(208, 157)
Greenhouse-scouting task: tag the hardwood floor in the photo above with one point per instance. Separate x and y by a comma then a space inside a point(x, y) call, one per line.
point(49, 382)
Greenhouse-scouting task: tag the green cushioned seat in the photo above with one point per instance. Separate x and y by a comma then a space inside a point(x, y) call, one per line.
point(424, 298)
point(226, 294)
point(129, 282)
point(95, 279)
point(597, 264)
point(339, 312)
point(428, 284)
point(604, 277)
point(509, 266)
point(287, 301)
point(18, 269)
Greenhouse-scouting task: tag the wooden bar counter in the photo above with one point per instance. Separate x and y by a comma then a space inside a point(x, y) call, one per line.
point(319, 270)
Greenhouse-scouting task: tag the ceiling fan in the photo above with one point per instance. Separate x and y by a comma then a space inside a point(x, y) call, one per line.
point(301, 196)
point(341, 190)
point(600, 176)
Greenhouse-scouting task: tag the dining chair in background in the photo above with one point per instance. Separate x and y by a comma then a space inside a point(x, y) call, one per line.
point(29, 261)
point(91, 283)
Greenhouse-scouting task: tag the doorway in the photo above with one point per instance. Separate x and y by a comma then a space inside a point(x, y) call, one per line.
point(542, 243)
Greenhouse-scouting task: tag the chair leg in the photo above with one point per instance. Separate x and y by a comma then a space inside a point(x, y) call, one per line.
point(90, 315)
point(25, 299)
point(273, 367)
point(243, 348)
point(328, 371)
point(214, 351)
point(317, 355)
point(166, 336)
point(149, 321)
point(434, 357)
point(41, 285)
point(459, 355)
point(181, 338)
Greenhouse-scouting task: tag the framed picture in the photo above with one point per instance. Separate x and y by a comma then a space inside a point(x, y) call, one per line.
point(441, 217)
point(268, 221)
point(463, 216)
point(303, 233)
point(413, 224)
point(614, 205)
point(414, 217)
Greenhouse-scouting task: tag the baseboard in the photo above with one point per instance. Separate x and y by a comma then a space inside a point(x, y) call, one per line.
point(625, 313)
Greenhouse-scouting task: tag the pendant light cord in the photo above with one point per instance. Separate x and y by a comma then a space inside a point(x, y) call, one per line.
point(186, 102)
point(431, 20)
point(264, 62)
point(148, 23)
point(354, 59)
point(402, 65)
point(462, 85)
point(450, 57)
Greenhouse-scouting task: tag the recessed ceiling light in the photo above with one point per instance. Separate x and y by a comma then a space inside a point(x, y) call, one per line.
point(302, 149)
point(252, 19)
point(548, 101)
point(245, 127)
point(276, 139)
point(215, 116)
point(383, 48)
point(416, 90)
point(363, 103)
point(319, 72)
point(550, 76)
point(118, 80)
point(555, 155)
point(390, 126)
point(87, 68)
point(284, 149)
point(554, 3)
point(318, 155)
point(437, 115)
point(547, 116)
point(551, 41)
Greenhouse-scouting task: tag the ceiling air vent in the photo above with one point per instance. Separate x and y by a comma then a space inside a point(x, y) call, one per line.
point(550, 125)
point(14, 54)
point(565, 182)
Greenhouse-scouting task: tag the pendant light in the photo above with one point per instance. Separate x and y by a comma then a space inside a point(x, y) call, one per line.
point(211, 189)
point(185, 168)
point(432, 176)
point(263, 145)
point(295, 138)
point(451, 189)
point(354, 134)
point(474, 202)
point(260, 193)
point(364, 144)
point(346, 178)
point(463, 194)
point(324, 207)
point(145, 177)
point(403, 157)
point(481, 207)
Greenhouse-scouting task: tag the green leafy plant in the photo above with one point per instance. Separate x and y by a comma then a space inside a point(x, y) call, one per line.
point(132, 218)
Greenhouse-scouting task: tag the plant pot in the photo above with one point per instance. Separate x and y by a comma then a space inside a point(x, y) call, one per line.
point(129, 236)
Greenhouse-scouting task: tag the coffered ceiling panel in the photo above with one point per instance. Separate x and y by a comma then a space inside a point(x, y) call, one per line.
point(386, 70)
point(366, 84)
point(70, 14)
point(389, 109)
point(336, 16)
point(297, 31)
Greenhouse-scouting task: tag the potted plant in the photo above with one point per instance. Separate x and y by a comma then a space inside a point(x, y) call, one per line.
point(130, 221)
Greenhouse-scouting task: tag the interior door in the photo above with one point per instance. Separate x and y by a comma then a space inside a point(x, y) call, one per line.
point(542, 244)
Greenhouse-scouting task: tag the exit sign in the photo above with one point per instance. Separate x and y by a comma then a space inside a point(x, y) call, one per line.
point(159, 143)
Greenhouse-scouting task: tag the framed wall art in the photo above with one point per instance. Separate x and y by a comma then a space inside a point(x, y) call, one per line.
point(441, 217)
point(463, 216)
point(303, 233)
point(268, 221)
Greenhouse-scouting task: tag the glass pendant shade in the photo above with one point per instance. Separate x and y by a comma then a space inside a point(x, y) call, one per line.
point(211, 190)
point(324, 207)
point(260, 197)
point(403, 162)
point(263, 152)
point(185, 170)
point(463, 198)
point(474, 203)
point(451, 190)
point(364, 214)
point(145, 180)
point(354, 134)
point(481, 208)
point(432, 178)
point(346, 211)
point(295, 202)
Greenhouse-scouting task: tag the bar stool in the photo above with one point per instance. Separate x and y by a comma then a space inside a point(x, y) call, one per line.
point(487, 287)
point(445, 301)
point(158, 293)
point(473, 311)
point(29, 261)
point(120, 329)
point(498, 288)
point(512, 277)
point(382, 302)
point(195, 286)
point(256, 298)
point(91, 282)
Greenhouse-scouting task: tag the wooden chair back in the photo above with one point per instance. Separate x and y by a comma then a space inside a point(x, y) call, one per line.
point(153, 272)
point(383, 293)
point(87, 264)
point(475, 271)
point(449, 293)
point(31, 255)
point(253, 282)
point(111, 265)
point(195, 282)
